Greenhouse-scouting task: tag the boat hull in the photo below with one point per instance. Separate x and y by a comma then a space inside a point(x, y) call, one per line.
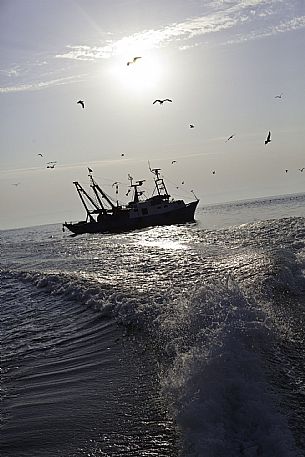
point(123, 222)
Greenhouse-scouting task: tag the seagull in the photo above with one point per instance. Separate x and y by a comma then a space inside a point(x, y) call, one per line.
point(116, 184)
point(301, 169)
point(51, 165)
point(286, 171)
point(268, 139)
point(192, 126)
point(162, 101)
point(279, 96)
point(174, 161)
point(16, 184)
point(122, 155)
point(213, 172)
point(40, 155)
point(81, 102)
point(133, 60)
point(230, 138)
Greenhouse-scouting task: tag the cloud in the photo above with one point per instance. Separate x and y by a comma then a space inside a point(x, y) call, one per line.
point(225, 22)
point(41, 84)
point(290, 25)
point(149, 39)
point(223, 16)
point(11, 72)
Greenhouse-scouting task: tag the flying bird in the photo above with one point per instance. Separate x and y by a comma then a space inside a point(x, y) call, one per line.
point(16, 184)
point(133, 60)
point(230, 138)
point(81, 102)
point(51, 164)
point(122, 155)
point(174, 161)
point(162, 101)
point(268, 139)
point(213, 172)
point(192, 126)
point(279, 96)
point(40, 155)
point(301, 169)
point(286, 171)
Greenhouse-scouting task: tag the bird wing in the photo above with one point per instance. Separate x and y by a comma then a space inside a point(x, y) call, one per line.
point(136, 58)
point(269, 136)
point(160, 101)
point(167, 100)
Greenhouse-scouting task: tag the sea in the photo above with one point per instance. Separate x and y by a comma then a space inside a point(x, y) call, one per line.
point(174, 341)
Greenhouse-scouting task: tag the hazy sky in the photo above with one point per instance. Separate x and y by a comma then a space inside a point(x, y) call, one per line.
point(222, 62)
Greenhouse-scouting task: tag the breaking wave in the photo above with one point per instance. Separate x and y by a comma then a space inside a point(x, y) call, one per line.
point(209, 344)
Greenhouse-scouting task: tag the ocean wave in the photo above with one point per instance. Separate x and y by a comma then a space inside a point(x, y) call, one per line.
point(208, 343)
point(215, 381)
point(105, 298)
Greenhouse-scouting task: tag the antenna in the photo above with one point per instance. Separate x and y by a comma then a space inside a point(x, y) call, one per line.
point(156, 171)
point(194, 195)
point(130, 179)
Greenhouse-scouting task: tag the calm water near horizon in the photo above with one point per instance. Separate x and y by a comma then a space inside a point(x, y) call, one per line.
point(178, 341)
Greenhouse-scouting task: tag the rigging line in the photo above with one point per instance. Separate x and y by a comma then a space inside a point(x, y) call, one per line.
point(178, 185)
point(93, 196)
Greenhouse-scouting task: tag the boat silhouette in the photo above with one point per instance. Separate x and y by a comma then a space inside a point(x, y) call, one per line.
point(105, 215)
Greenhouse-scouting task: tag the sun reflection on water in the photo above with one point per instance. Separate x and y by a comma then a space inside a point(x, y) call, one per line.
point(164, 244)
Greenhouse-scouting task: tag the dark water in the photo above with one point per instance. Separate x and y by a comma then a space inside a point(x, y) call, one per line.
point(174, 341)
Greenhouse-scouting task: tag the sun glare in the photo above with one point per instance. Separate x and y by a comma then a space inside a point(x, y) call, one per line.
point(138, 75)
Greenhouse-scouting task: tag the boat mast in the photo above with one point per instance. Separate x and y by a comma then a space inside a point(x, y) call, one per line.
point(81, 192)
point(135, 188)
point(93, 186)
point(159, 182)
point(96, 187)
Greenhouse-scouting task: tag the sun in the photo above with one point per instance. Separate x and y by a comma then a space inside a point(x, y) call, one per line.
point(142, 74)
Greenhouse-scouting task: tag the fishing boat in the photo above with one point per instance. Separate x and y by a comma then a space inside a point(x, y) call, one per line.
point(103, 214)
